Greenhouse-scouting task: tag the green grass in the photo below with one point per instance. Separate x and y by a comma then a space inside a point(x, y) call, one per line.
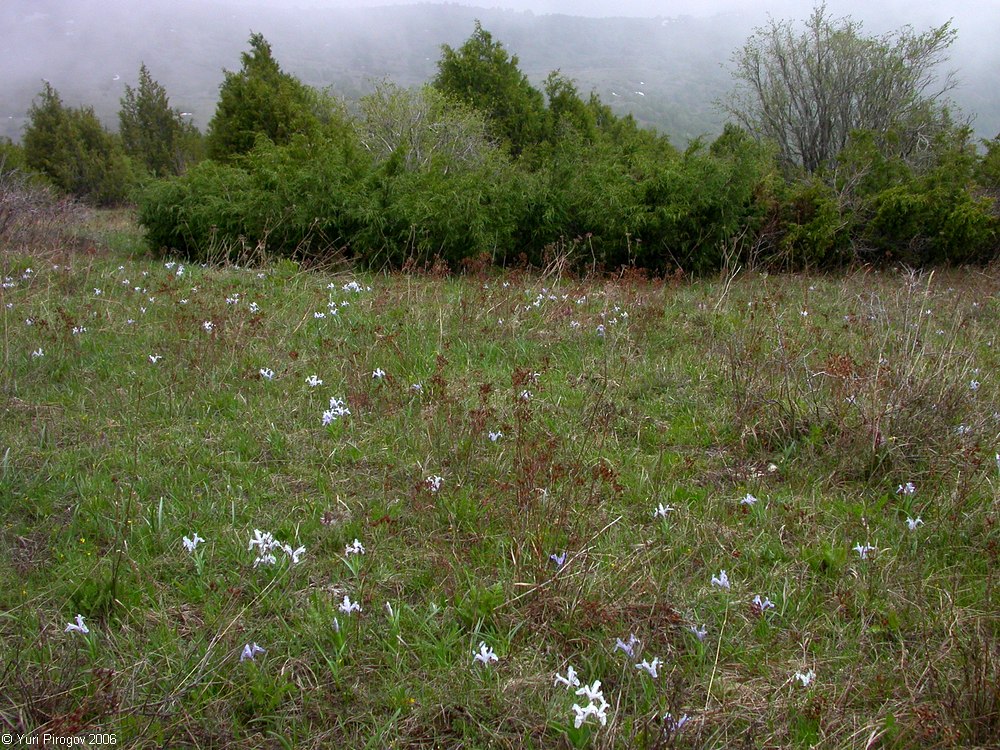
point(696, 394)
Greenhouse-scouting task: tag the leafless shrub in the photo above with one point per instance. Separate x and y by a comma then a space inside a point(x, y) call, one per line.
point(32, 217)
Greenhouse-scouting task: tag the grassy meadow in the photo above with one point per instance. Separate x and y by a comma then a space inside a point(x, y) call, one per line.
point(313, 507)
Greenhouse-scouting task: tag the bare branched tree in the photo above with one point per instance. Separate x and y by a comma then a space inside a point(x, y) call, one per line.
point(808, 91)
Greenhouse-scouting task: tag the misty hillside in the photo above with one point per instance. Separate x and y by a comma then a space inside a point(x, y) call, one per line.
point(667, 72)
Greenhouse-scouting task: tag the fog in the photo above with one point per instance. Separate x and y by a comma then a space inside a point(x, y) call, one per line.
point(90, 49)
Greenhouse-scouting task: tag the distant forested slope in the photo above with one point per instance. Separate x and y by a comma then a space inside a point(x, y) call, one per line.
point(667, 72)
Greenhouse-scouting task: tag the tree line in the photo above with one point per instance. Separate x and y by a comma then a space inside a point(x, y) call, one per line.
point(842, 149)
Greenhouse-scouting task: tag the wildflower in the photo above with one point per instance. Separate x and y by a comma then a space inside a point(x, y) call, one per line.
point(79, 626)
point(863, 550)
point(600, 330)
point(319, 315)
point(574, 324)
point(388, 609)
point(312, 381)
point(337, 409)
point(336, 625)
point(265, 543)
point(254, 307)
point(558, 559)
point(761, 605)
point(378, 373)
point(974, 385)
point(233, 300)
point(582, 712)
point(433, 483)
point(494, 436)
point(485, 655)
point(699, 633)
point(37, 353)
point(722, 580)
point(525, 395)
point(347, 606)
point(675, 725)
point(417, 388)
point(628, 648)
point(98, 292)
point(805, 678)
point(592, 692)
point(962, 429)
point(154, 358)
point(804, 313)
point(650, 667)
point(662, 510)
point(748, 500)
point(906, 489)
point(913, 523)
point(192, 543)
point(250, 652)
point(295, 554)
point(570, 680)
point(77, 330)
point(267, 373)
point(208, 325)
point(356, 548)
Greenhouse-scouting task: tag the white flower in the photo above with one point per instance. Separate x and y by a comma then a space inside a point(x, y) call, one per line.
point(233, 300)
point(347, 606)
point(312, 381)
point(699, 633)
point(913, 523)
point(77, 330)
point(250, 651)
point(662, 510)
point(485, 655)
point(433, 483)
point(37, 353)
point(570, 680)
point(906, 489)
point(295, 554)
point(762, 604)
point(192, 543)
point(722, 580)
point(337, 409)
point(592, 692)
point(600, 330)
point(319, 315)
point(378, 373)
point(583, 712)
point(417, 388)
point(675, 725)
point(254, 307)
point(97, 292)
point(79, 626)
point(525, 395)
point(748, 500)
point(628, 648)
point(208, 325)
point(974, 385)
point(805, 678)
point(154, 358)
point(267, 373)
point(354, 549)
point(494, 436)
point(650, 667)
point(863, 550)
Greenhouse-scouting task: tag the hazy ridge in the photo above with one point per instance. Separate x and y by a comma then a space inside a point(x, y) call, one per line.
point(667, 72)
